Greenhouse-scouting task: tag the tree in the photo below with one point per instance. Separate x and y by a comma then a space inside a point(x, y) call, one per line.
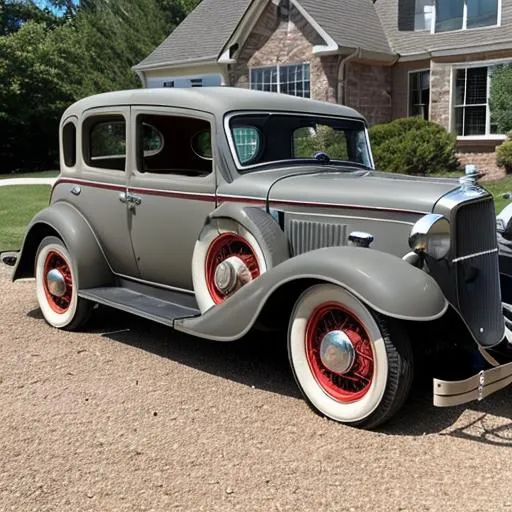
point(500, 98)
point(15, 13)
point(45, 65)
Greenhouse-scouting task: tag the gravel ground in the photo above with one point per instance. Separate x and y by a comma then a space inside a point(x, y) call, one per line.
point(132, 416)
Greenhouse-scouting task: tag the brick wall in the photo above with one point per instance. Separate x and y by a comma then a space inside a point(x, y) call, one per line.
point(368, 90)
point(277, 41)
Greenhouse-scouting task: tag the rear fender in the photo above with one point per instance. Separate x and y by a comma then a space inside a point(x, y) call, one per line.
point(384, 282)
point(68, 224)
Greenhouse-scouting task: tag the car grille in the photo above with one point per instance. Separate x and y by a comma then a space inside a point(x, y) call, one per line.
point(475, 266)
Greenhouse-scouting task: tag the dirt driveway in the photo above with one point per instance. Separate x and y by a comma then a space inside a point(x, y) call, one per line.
point(132, 416)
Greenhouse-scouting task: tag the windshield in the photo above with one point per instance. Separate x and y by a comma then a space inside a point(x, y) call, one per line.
point(259, 139)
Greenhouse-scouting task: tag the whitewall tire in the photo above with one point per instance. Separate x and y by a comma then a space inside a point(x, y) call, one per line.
point(57, 286)
point(361, 380)
point(215, 246)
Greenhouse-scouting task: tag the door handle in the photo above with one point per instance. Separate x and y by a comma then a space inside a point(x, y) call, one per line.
point(131, 199)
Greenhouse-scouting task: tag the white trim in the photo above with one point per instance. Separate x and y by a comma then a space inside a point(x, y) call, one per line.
point(477, 138)
point(409, 73)
point(475, 255)
point(176, 64)
point(242, 31)
point(331, 45)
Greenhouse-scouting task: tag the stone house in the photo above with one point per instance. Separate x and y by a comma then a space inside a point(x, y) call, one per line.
point(386, 58)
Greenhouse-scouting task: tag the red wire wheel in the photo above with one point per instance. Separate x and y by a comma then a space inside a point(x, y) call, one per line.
point(56, 261)
point(223, 247)
point(355, 383)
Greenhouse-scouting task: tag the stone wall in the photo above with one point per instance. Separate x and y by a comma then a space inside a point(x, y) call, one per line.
point(275, 40)
point(440, 78)
point(368, 90)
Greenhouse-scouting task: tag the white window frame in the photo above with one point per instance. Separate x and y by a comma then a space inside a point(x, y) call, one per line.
point(409, 73)
point(468, 65)
point(464, 19)
point(278, 67)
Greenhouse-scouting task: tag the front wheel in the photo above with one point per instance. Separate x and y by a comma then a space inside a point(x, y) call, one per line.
point(351, 364)
point(56, 286)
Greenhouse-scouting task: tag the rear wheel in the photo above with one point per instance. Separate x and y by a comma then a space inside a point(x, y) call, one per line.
point(56, 286)
point(352, 365)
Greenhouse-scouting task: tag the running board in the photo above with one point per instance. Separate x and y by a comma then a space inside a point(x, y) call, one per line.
point(140, 304)
point(481, 385)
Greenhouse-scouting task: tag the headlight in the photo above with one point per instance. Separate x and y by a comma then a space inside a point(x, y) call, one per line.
point(431, 235)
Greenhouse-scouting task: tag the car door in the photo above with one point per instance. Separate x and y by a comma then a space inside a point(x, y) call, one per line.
point(171, 190)
point(102, 182)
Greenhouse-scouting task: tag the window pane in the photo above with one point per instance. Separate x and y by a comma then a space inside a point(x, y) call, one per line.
point(460, 87)
point(482, 13)
point(294, 80)
point(476, 87)
point(108, 139)
point(308, 141)
point(449, 14)
point(459, 120)
point(474, 123)
point(264, 79)
point(423, 15)
point(69, 144)
point(419, 94)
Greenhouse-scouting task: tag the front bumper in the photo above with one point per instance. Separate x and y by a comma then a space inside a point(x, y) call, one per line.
point(477, 387)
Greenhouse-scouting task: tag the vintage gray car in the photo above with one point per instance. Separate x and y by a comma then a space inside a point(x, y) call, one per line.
point(214, 211)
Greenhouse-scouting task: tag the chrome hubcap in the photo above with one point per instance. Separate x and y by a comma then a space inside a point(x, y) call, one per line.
point(231, 274)
point(56, 283)
point(337, 352)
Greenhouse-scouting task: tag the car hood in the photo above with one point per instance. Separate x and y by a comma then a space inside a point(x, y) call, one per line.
point(351, 188)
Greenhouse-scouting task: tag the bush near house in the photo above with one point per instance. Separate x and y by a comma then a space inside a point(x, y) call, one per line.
point(504, 154)
point(413, 146)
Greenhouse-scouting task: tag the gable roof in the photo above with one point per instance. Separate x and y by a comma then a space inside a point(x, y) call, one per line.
point(350, 23)
point(207, 29)
point(201, 35)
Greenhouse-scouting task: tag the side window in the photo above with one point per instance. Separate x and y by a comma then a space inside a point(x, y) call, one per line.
point(321, 138)
point(178, 145)
point(69, 144)
point(105, 142)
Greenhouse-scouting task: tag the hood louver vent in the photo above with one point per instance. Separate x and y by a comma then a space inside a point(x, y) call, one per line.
point(305, 236)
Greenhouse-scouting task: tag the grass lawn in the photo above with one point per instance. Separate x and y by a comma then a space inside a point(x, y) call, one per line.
point(18, 204)
point(38, 174)
point(497, 188)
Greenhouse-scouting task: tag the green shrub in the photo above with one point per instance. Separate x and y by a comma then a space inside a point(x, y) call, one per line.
point(504, 155)
point(413, 146)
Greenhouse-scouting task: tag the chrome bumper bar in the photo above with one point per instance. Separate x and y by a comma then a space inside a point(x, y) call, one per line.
point(477, 387)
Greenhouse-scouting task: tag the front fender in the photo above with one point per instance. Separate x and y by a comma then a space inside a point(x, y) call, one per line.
point(384, 282)
point(67, 223)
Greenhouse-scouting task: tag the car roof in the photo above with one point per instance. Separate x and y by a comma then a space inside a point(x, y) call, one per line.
point(216, 100)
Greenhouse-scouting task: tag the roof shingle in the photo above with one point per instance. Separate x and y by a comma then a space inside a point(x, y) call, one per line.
point(207, 29)
point(201, 35)
point(351, 23)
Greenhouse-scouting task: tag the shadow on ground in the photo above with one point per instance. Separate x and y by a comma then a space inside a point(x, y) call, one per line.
point(260, 360)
